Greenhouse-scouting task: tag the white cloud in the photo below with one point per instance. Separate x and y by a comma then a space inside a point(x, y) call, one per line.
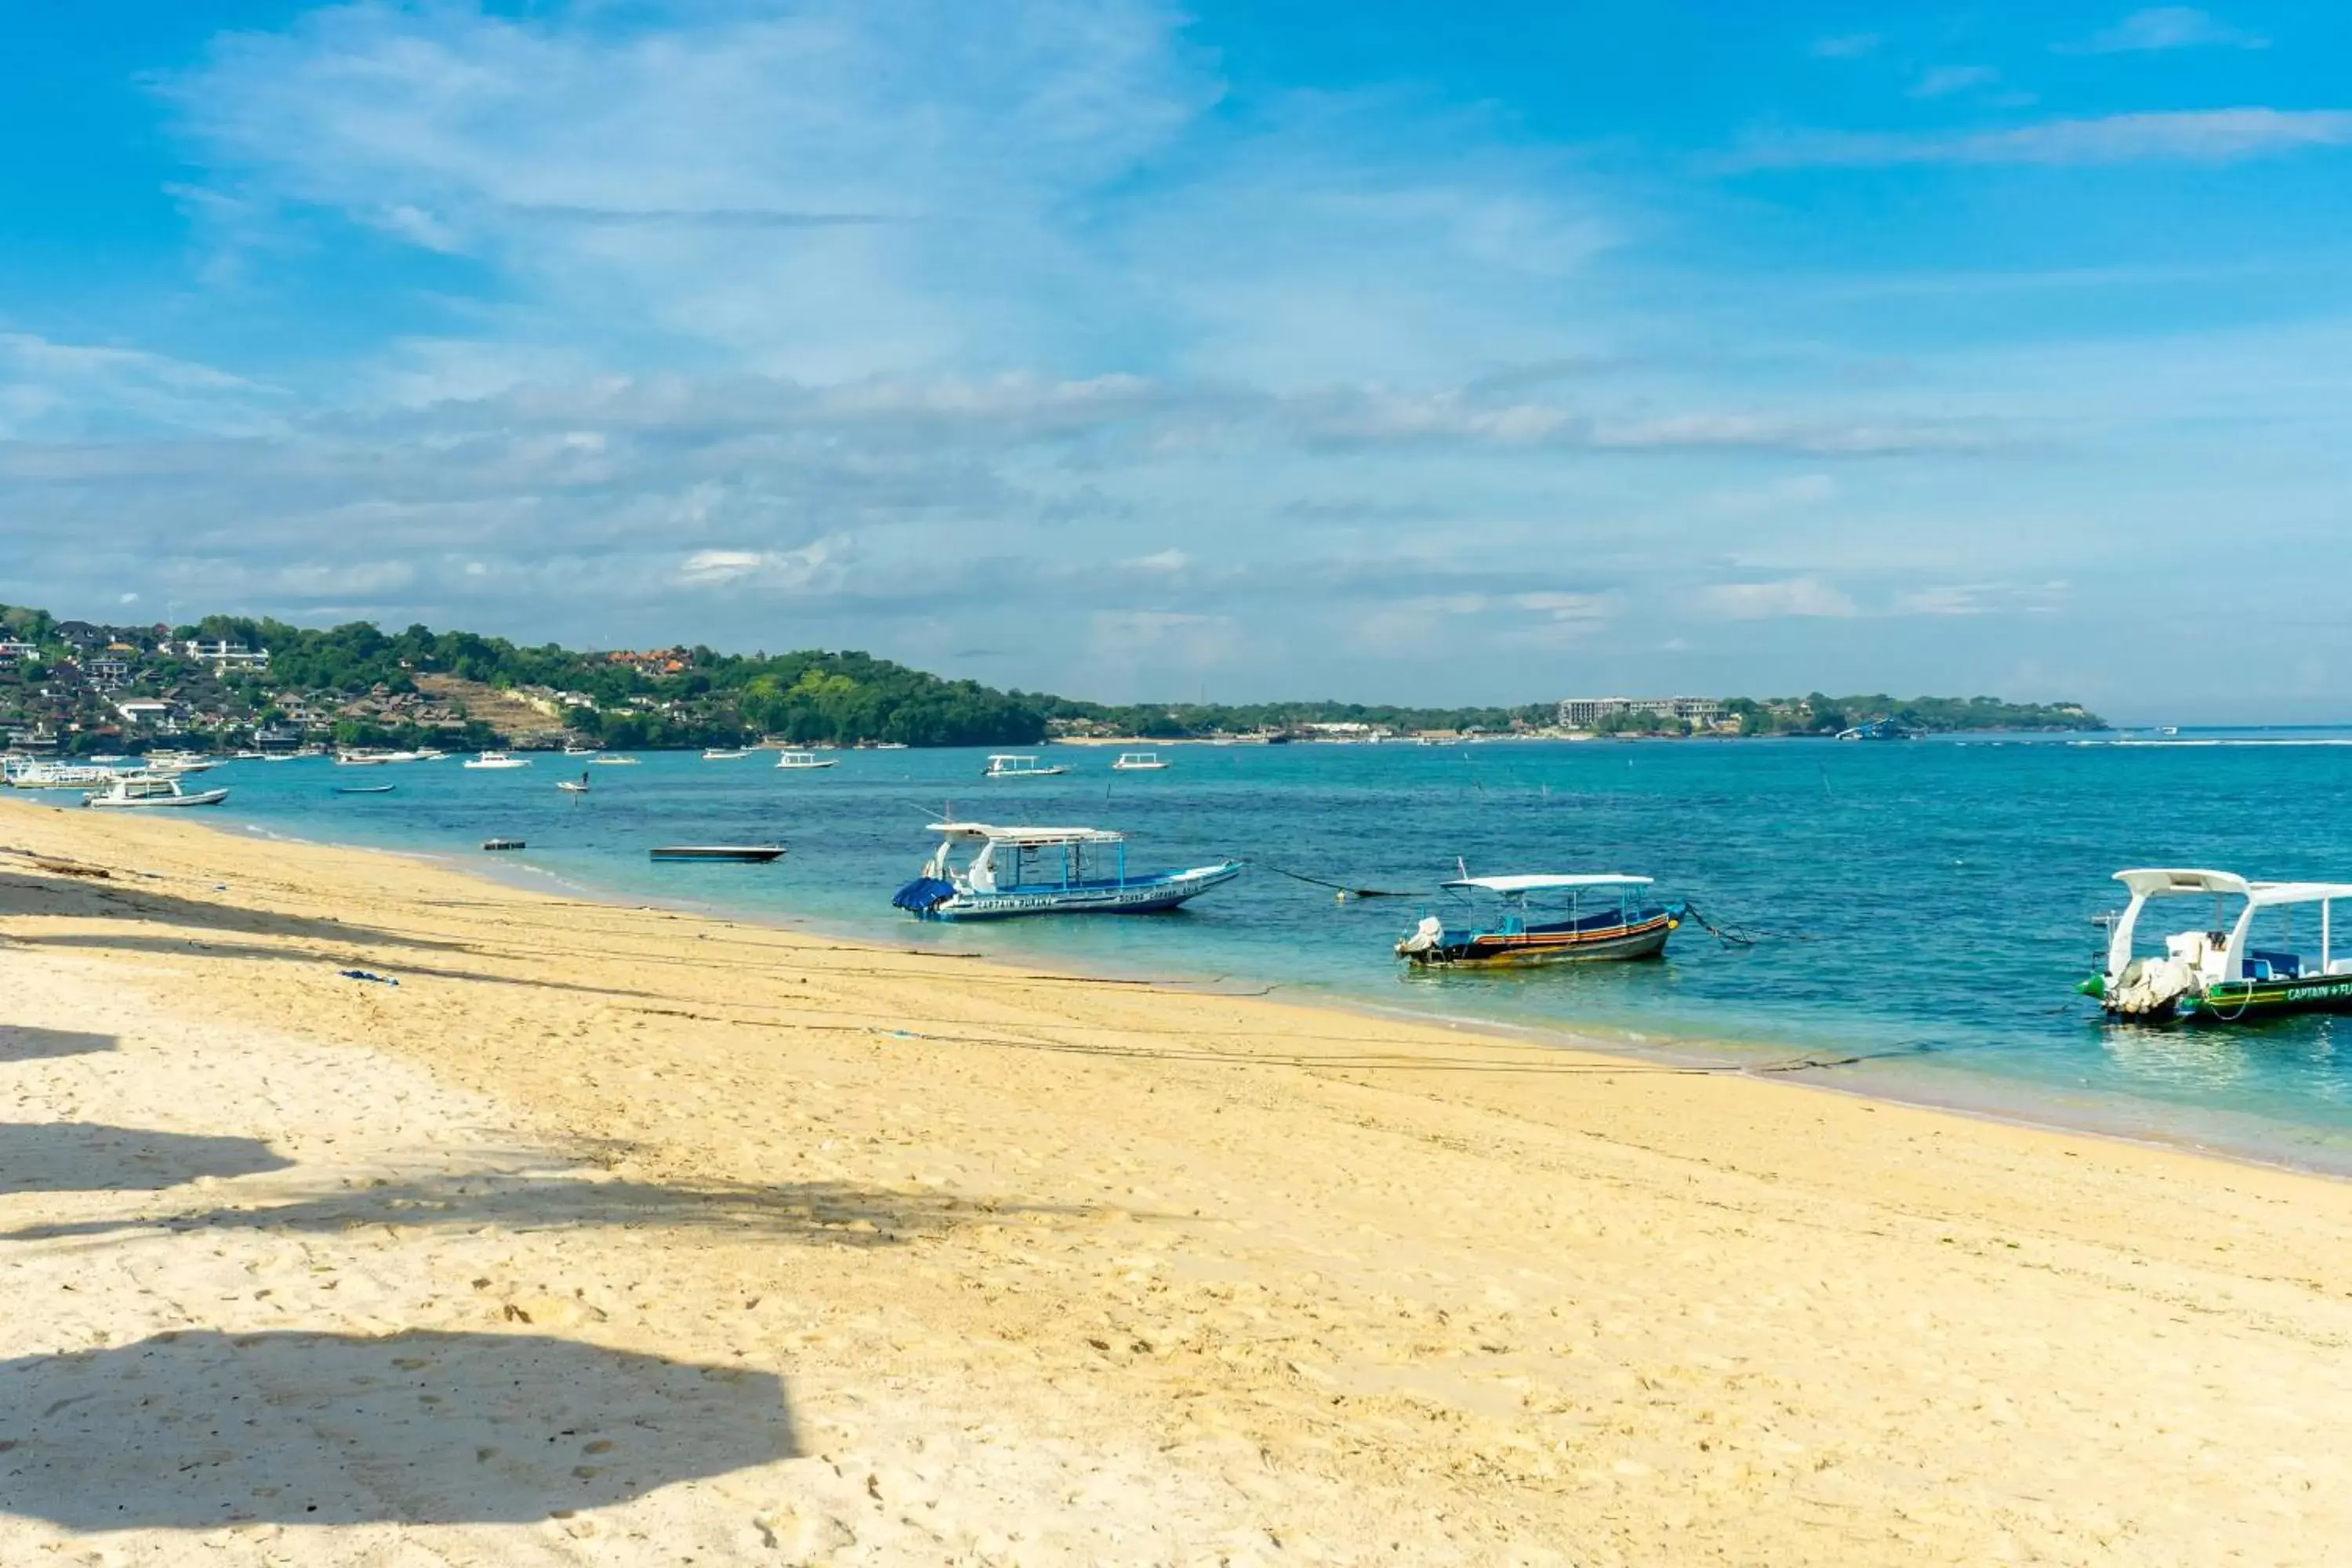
point(1790, 596)
point(1845, 46)
point(2207, 136)
point(1942, 81)
point(1162, 561)
point(790, 569)
point(2165, 27)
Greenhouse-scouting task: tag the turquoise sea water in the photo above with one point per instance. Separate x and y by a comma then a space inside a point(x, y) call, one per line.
point(1936, 897)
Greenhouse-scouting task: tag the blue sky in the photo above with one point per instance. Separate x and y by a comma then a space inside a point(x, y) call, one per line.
point(1425, 352)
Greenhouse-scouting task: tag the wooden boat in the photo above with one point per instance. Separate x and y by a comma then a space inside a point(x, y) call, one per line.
point(1009, 766)
point(2217, 975)
point(1621, 925)
point(152, 790)
point(1045, 870)
point(756, 854)
point(805, 759)
point(1138, 763)
point(364, 789)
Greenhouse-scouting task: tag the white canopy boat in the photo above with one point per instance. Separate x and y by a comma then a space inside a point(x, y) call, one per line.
point(805, 759)
point(2217, 975)
point(1009, 765)
point(496, 759)
point(1045, 870)
point(1138, 763)
point(152, 790)
point(1621, 925)
point(723, 754)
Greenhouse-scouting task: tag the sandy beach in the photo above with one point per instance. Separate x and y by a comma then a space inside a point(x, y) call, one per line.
point(613, 1235)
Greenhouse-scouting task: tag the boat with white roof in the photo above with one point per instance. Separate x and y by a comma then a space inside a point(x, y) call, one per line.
point(1138, 763)
point(1045, 870)
point(1014, 766)
point(2217, 974)
point(805, 759)
point(496, 759)
point(152, 790)
point(1608, 915)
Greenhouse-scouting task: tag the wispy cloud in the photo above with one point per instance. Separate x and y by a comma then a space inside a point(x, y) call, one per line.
point(1942, 81)
point(2207, 136)
point(1845, 46)
point(1789, 597)
point(2165, 27)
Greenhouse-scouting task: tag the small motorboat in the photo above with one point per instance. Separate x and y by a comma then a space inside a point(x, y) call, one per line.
point(605, 761)
point(364, 789)
point(502, 843)
point(152, 790)
point(1138, 763)
point(1623, 926)
point(723, 754)
point(805, 759)
point(2216, 974)
point(756, 854)
point(492, 760)
point(1043, 871)
point(1011, 767)
point(574, 786)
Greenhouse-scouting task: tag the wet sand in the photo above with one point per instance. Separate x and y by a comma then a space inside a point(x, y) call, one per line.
point(613, 1235)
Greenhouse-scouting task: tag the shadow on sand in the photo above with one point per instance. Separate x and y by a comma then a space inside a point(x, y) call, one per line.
point(195, 1431)
point(24, 892)
point(23, 1043)
point(822, 1212)
point(214, 947)
point(90, 1157)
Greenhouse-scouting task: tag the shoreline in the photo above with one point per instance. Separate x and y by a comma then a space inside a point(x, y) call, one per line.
point(1712, 1054)
point(1045, 1269)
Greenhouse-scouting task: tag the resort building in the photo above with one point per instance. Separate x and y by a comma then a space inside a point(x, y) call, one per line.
point(11, 651)
point(226, 655)
point(1585, 712)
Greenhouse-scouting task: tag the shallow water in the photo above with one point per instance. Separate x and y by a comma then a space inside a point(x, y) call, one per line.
point(1933, 901)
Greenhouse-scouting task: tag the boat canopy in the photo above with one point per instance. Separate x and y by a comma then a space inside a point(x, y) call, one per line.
point(1541, 881)
point(1025, 836)
point(2158, 882)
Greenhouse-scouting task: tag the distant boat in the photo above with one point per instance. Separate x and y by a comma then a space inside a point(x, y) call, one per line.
point(1879, 730)
point(1625, 927)
point(502, 843)
point(1138, 763)
point(356, 759)
point(364, 789)
point(1008, 765)
point(496, 759)
point(1045, 870)
point(152, 790)
point(574, 786)
point(759, 854)
point(580, 751)
point(610, 762)
point(805, 759)
point(723, 754)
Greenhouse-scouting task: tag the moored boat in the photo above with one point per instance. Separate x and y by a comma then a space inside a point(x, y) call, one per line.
point(152, 790)
point(2217, 975)
point(1045, 870)
point(1608, 916)
point(495, 759)
point(758, 854)
point(1010, 765)
point(723, 754)
point(1138, 763)
point(805, 759)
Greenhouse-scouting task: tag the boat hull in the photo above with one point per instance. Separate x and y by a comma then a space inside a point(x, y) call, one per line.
point(2246, 1001)
point(1134, 896)
point(751, 854)
point(1641, 939)
point(159, 801)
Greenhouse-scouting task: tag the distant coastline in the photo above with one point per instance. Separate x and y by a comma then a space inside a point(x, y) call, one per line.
point(77, 689)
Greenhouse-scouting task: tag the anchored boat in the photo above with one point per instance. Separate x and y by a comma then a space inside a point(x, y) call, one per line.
point(805, 759)
point(152, 790)
point(1042, 871)
point(757, 854)
point(1139, 763)
point(1007, 765)
point(2217, 975)
point(495, 761)
point(1607, 917)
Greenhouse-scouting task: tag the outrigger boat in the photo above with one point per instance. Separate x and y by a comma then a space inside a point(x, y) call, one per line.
point(2217, 975)
point(1139, 763)
point(805, 759)
point(1045, 871)
point(1625, 926)
point(152, 790)
point(1010, 765)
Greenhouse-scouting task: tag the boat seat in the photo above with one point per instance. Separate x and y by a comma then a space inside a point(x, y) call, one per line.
point(2269, 965)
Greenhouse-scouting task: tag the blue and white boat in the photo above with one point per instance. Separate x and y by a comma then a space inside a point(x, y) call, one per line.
point(1045, 871)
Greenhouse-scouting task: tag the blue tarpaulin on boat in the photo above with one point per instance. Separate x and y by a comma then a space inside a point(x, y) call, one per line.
point(923, 895)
